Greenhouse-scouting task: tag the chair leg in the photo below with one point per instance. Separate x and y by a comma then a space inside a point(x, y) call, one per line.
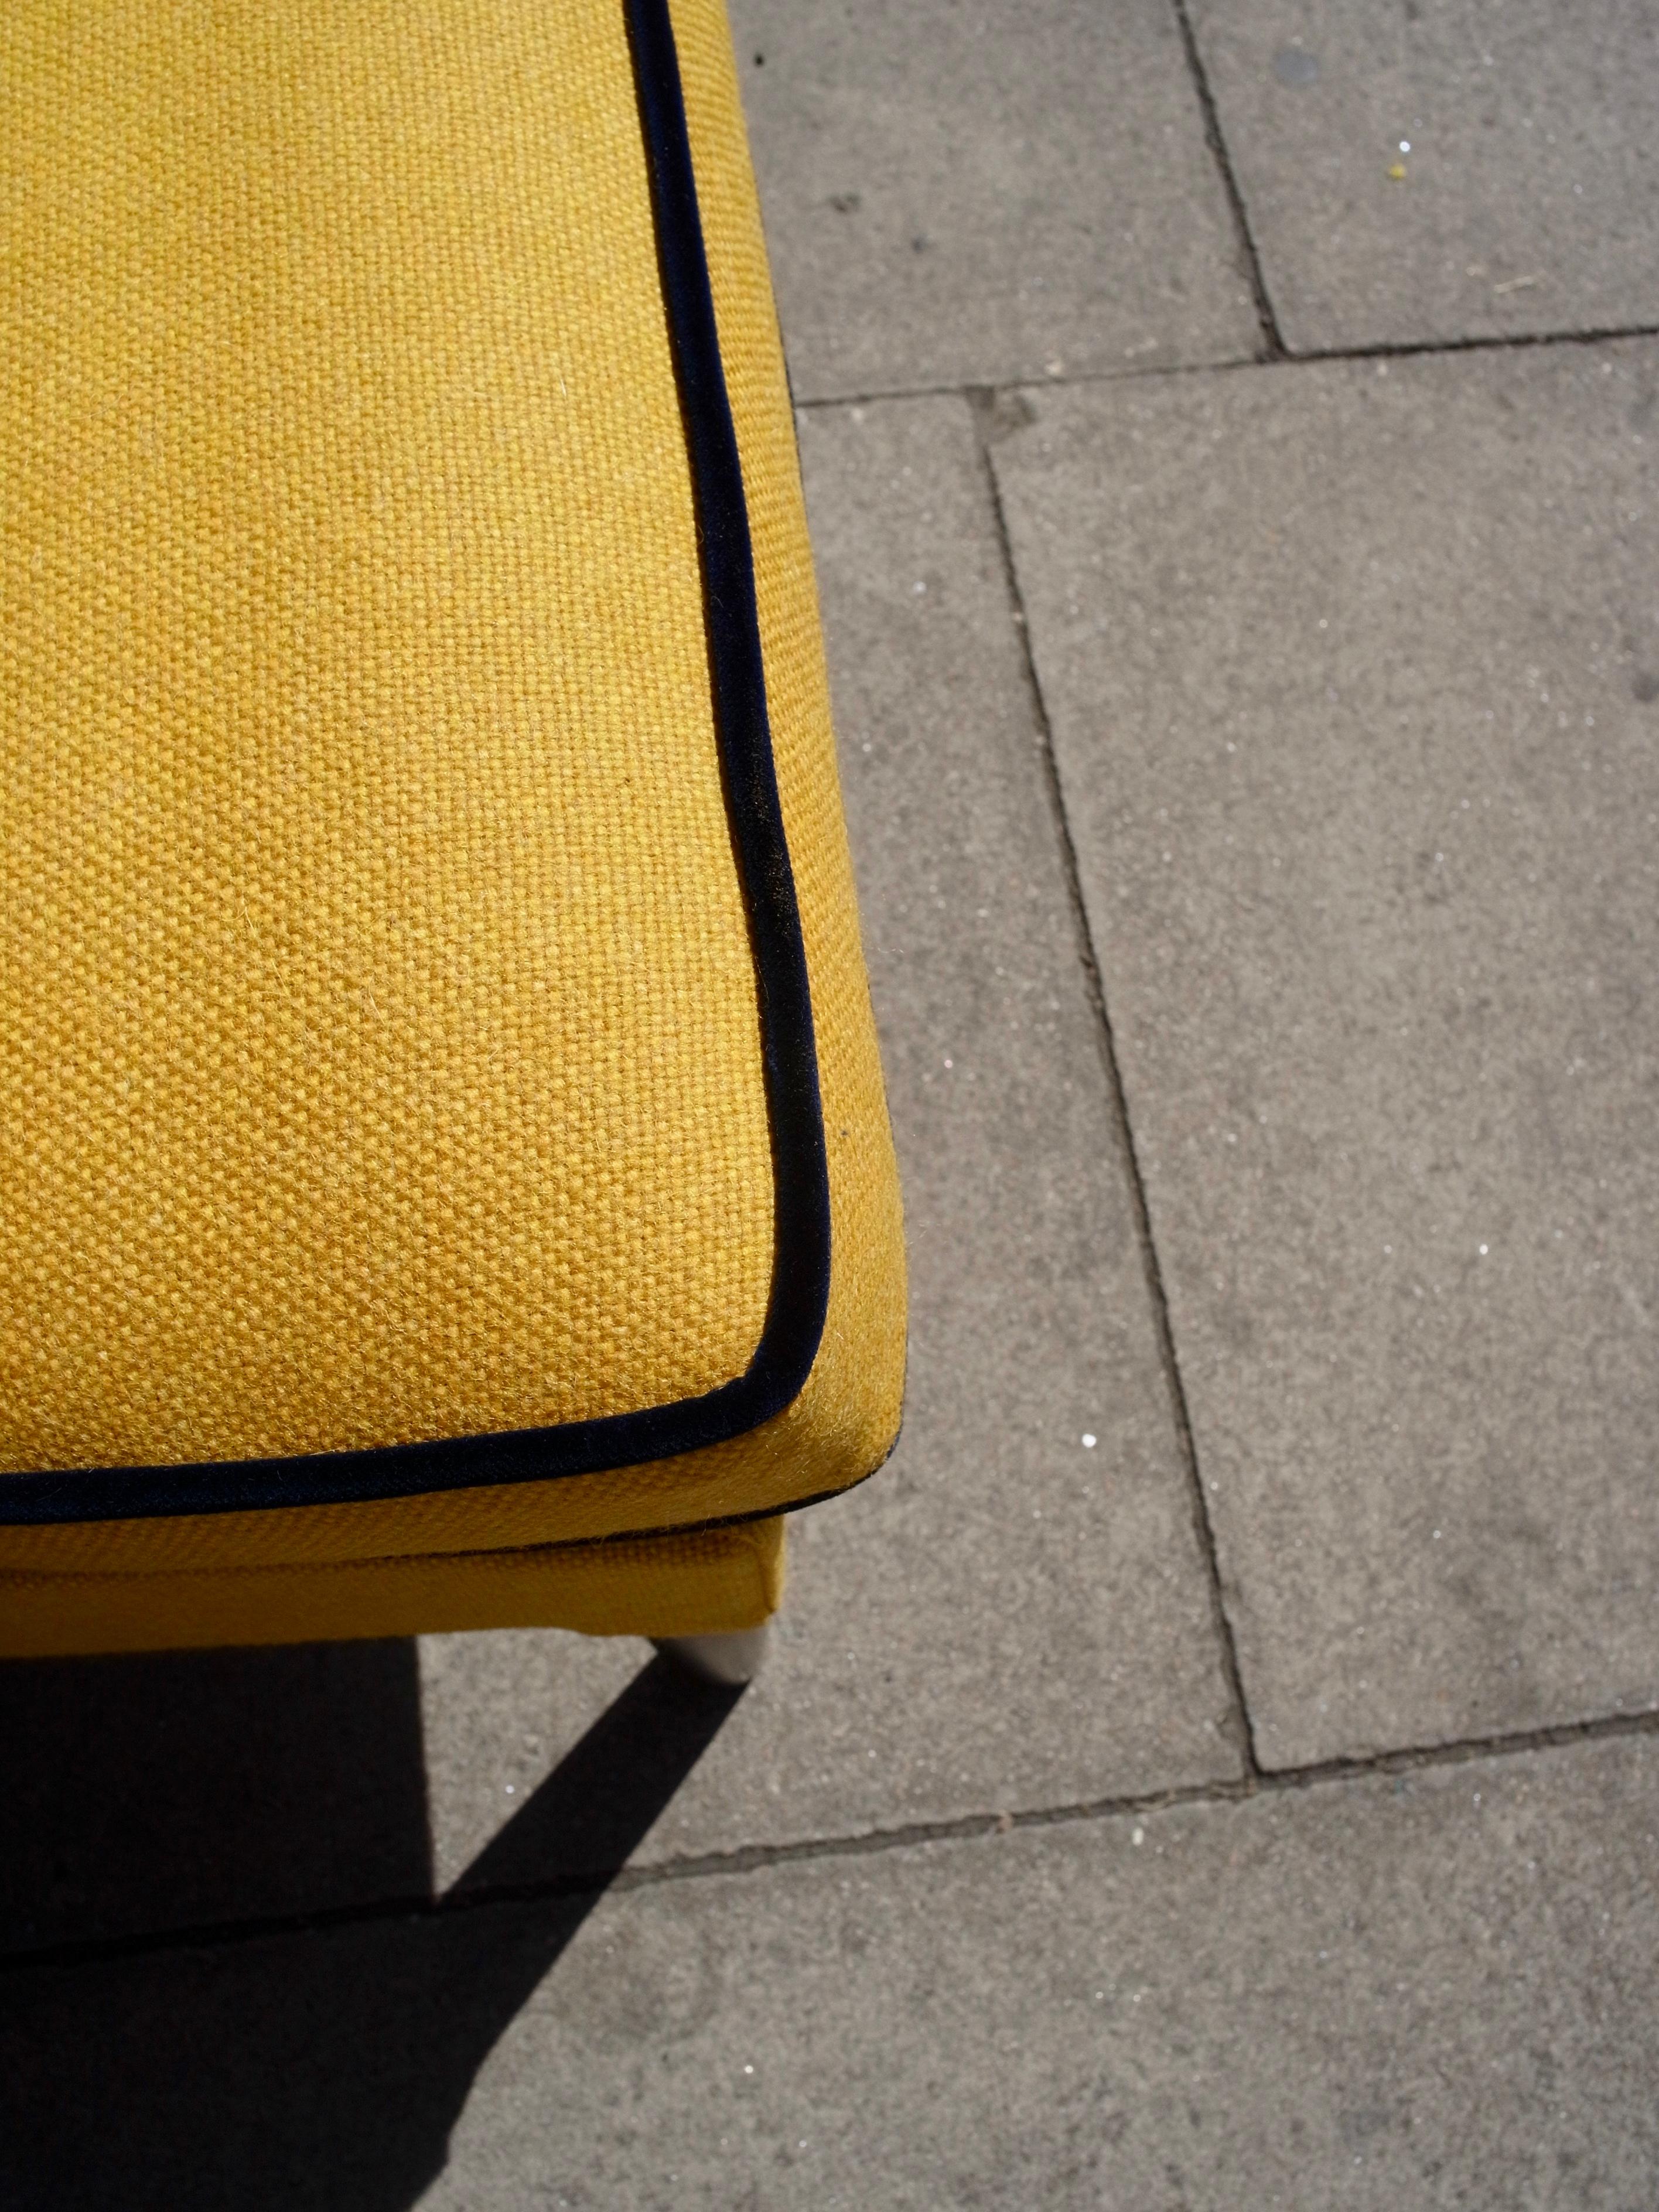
point(731, 1660)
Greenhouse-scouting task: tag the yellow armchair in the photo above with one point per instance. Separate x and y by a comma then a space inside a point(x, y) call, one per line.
point(444, 1180)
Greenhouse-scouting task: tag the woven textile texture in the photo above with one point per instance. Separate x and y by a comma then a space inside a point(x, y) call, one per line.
point(707, 1584)
point(379, 1048)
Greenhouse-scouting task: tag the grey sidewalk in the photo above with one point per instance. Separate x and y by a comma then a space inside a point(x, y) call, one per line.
point(1214, 1766)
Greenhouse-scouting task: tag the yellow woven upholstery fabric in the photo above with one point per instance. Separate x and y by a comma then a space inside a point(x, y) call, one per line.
point(708, 1583)
point(380, 1037)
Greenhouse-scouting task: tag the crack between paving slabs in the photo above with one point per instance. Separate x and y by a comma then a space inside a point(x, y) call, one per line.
point(982, 404)
point(752, 1858)
point(1382, 349)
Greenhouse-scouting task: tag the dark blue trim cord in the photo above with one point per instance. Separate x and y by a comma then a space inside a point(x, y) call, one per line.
point(801, 1280)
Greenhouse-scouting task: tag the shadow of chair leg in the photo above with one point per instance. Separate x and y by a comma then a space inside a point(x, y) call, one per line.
point(321, 2069)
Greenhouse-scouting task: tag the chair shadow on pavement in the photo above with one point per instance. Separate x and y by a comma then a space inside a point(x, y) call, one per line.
point(225, 1986)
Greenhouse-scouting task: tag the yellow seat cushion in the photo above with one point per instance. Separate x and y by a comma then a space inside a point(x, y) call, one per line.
point(439, 1109)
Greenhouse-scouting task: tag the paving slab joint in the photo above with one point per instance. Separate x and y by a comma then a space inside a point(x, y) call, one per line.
point(989, 409)
point(1491, 341)
point(1382, 349)
point(750, 1858)
point(1272, 343)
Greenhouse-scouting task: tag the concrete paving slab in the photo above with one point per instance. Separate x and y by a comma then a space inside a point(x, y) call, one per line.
point(1003, 1617)
point(968, 191)
point(1469, 169)
point(1353, 672)
point(1436, 1988)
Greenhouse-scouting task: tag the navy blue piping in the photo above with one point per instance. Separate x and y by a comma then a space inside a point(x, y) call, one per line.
point(801, 1280)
